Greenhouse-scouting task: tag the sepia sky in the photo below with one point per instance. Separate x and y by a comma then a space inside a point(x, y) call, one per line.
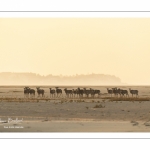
point(69, 46)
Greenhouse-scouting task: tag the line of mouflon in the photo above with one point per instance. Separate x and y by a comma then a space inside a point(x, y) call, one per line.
point(80, 93)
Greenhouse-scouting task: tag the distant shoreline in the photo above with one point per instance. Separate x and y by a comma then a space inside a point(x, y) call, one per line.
point(59, 85)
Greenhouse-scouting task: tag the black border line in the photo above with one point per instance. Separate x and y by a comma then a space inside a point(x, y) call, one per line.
point(77, 138)
point(77, 11)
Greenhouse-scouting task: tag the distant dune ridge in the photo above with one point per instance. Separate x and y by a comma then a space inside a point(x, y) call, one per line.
point(9, 78)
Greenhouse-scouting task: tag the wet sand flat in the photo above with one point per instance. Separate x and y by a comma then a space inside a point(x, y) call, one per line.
point(75, 126)
point(90, 115)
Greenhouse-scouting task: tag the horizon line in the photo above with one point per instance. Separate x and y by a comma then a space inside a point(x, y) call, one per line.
point(61, 74)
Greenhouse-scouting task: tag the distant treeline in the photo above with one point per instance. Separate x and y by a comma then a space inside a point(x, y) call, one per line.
point(8, 78)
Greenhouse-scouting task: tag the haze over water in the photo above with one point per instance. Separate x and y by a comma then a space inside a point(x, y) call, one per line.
point(70, 46)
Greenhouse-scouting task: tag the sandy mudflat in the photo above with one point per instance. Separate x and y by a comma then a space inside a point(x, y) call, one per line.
point(90, 115)
point(76, 126)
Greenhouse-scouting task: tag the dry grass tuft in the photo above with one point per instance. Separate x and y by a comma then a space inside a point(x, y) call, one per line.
point(79, 101)
point(132, 99)
point(134, 123)
point(99, 106)
point(147, 123)
point(117, 99)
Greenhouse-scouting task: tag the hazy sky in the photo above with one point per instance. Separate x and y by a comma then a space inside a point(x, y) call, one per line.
point(69, 46)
